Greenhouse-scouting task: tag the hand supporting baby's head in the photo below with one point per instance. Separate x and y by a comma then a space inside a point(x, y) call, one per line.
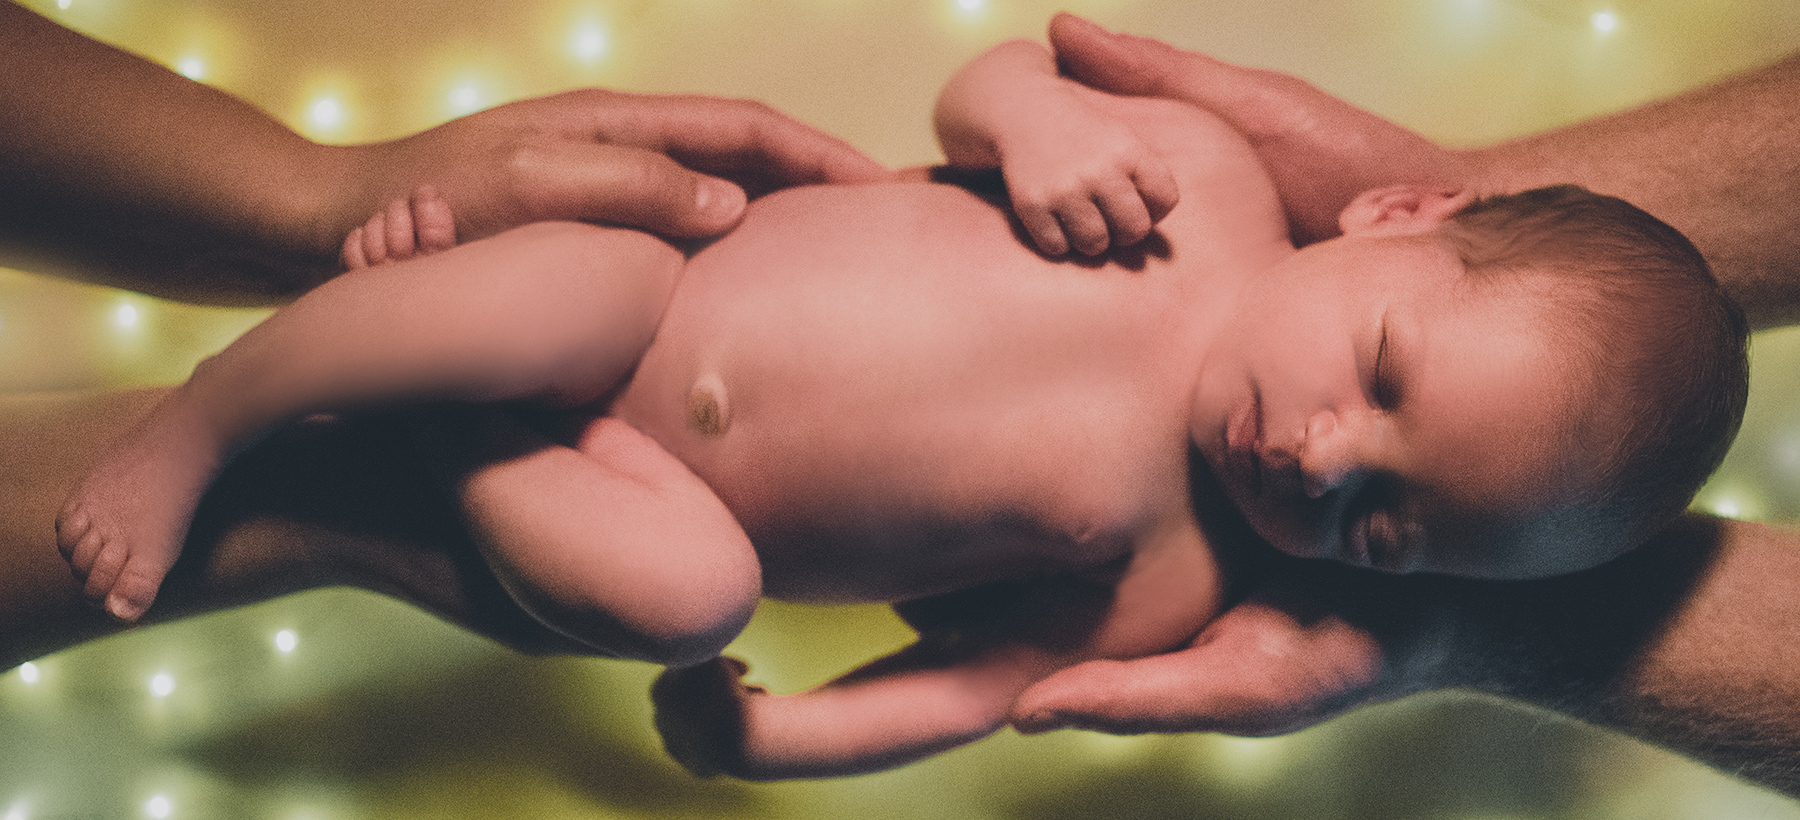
point(1513, 387)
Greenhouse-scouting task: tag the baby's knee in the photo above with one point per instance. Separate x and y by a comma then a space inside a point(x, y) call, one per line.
point(679, 628)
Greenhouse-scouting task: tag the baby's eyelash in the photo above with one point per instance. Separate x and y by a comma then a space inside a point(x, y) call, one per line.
point(1382, 382)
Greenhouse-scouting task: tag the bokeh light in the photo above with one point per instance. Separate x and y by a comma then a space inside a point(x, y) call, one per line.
point(325, 114)
point(191, 67)
point(588, 42)
point(462, 727)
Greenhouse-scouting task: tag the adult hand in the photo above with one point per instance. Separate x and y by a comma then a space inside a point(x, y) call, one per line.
point(120, 171)
point(1312, 642)
point(1662, 644)
point(678, 166)
point(1320, 150)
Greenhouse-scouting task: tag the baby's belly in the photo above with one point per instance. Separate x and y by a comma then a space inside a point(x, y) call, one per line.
point(896, 398)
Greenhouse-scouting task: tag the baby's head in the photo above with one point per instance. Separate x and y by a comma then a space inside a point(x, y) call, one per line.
point(1513, 387)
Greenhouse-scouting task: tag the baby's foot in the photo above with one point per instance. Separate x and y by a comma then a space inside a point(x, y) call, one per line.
point(404, 229)
point(124, 526)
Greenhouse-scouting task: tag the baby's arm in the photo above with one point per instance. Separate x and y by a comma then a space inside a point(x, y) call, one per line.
point(1076, 176)
point(556, 311)
point(978, 651)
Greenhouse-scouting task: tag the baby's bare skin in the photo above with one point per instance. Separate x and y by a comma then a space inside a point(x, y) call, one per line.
point(864, 393)
point(859, 371)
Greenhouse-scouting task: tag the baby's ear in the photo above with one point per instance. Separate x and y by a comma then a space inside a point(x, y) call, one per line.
point(1402, 210)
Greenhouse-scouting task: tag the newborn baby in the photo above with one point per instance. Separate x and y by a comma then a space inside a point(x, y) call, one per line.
point(883, 393)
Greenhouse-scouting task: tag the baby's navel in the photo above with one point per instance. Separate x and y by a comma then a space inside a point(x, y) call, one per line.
point(707, 410)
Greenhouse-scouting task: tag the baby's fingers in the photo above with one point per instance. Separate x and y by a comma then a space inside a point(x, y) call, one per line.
point(1156, 186)
point(1042, 225)
point(1086, 225)
point(1127, 215)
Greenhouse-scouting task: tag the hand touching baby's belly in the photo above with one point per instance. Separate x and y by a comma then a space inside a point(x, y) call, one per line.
point(896, 398)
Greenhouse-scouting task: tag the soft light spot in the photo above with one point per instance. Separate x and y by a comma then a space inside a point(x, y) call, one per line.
point(326, 113)
point(191, 67)
point(162, 684)
point(1604, 21)
point(28, 672)
point(20, 810)
point(62, 4)
point(588, 43)
point(286, 640)
point(158, 807)
point(1249, 761)
point(125, 317)
point(971, 5)
point(1726, 507)
point(464, 99)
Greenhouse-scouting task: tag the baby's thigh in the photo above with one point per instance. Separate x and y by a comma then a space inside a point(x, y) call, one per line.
point(564, 310)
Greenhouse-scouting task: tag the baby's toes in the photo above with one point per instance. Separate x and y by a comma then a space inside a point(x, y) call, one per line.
point(433, 224)
point(352, 253)
point(371, 243)
point(135, 589)
point(398, 227)
point(103, 572)
point(75, 537)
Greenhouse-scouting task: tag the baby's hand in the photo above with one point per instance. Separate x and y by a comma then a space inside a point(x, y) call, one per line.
point(1086, 180)
point(702, 713)
point(404, 229)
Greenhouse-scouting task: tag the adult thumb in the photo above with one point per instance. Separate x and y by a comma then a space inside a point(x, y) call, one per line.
point(1119, 63)
point(639, 188)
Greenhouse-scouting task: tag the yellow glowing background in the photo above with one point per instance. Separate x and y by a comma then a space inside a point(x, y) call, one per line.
point(342, 705)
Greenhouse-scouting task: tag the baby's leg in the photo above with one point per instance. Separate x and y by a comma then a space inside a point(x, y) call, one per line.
point(616, 544)
point(554, 311)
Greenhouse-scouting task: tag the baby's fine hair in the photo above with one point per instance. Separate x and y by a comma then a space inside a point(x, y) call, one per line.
point(1662, 347)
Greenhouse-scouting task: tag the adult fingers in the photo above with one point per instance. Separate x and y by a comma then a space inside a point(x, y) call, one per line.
point(625, 185)
point(731, 138)
point(1146, 67)
point(1257, 670)
point(1120, 63)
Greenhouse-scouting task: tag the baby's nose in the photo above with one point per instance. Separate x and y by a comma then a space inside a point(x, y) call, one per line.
point(1329, 459)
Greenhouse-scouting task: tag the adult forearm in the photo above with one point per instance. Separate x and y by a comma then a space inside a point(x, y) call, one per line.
point(118, 169)
point(1687, 644)
point(1720, 163)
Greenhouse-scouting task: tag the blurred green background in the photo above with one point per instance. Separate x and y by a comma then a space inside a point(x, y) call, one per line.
point(336, 704)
